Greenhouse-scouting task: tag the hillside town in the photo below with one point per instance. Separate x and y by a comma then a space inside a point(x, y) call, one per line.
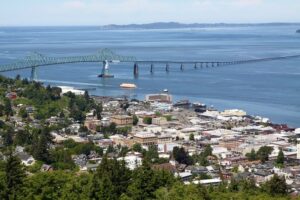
point(196, 143)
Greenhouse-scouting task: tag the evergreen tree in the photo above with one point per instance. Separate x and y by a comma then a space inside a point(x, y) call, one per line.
point(7, 107)
point(110, 180)
point(7, 138)
point(41, 151)
point(275, 186)
point(280, 158)
point(135, 120)
point(142, 185)
point(252, 155)
point(14, 176)
point(192, 137)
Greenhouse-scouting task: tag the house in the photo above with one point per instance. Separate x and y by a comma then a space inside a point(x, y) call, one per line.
point(184, 176)
point(11, 95)
point(132, 161)
point(214, 181)
point(165, 166)
point(46, 168)
point(196, 169)
point(262, 176)
point(26, 159)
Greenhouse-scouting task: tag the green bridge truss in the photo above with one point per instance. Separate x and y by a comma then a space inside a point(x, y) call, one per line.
point(36, 60)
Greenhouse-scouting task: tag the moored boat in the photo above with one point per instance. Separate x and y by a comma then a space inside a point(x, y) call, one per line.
point(128, 85)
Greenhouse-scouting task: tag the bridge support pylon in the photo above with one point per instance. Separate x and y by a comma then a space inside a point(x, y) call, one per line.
point(105, 70)
point(195, 66)
point(33, 75)
point(152, 68)
point(136, 69)
point(181, 67)
point(167, 67)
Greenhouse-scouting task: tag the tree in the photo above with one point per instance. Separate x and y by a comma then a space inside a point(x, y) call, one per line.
point(151, 155)
point(23, 113)
point(7, 107)
point(192, 137)
point(264, 152)
point(41, 151)
point(45, 185)
point(181, 156)
point(207, 151)
point(110, 180)
point(135, 120)
point(280, 158)
point(7, 138)
point(98, 111)
point(251, 156)
point(137, 147)
point(14, 176)
point(147, 120)
point(275, 186)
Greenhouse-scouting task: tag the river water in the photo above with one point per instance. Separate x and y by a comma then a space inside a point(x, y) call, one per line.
point(270, 89)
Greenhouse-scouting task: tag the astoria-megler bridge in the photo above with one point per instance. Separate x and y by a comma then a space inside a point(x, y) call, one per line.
point(107, 56)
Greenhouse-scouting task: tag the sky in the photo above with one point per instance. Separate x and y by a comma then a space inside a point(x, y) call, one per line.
point(102, 12)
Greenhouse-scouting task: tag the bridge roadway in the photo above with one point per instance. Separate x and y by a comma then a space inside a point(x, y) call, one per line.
point(105, 56)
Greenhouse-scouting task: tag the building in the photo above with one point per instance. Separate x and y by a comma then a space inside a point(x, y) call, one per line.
point(132, 161)
point(159, 121)
point(145, 138)
point(92, 124)
point(66, 89)
point(159, 98)
point(122, 120)
point(298, 148)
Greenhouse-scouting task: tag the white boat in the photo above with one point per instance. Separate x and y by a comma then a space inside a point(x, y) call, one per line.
point(128, 85)
point(166, 90)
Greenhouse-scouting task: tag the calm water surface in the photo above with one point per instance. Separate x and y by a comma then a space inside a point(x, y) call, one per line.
point(270, 89)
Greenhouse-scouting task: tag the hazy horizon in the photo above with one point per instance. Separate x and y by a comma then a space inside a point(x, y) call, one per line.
point(123, 12)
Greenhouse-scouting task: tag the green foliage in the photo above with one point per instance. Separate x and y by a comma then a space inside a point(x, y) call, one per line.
point(110, 180)
point(14, 176)
point(135, 120)
point(151, 155)
point(275, 186)
point(147, 120)
point(7, 107)
point(168, 117)
point(145, 182)
point(23, 113)
point(61, 159)
point(264, 152)
point(47, 186)
point(251, 156)
point(280, 158)
point(181, 156)
point(41, 151)
point(137, 147)
point(192, 137)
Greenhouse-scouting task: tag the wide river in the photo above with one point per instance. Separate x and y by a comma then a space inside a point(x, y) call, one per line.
point(270, 89)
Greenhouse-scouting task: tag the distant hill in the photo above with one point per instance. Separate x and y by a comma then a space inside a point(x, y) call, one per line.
point(174, 25)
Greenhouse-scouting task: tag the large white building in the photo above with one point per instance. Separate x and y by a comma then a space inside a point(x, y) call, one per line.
point(298, 148)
